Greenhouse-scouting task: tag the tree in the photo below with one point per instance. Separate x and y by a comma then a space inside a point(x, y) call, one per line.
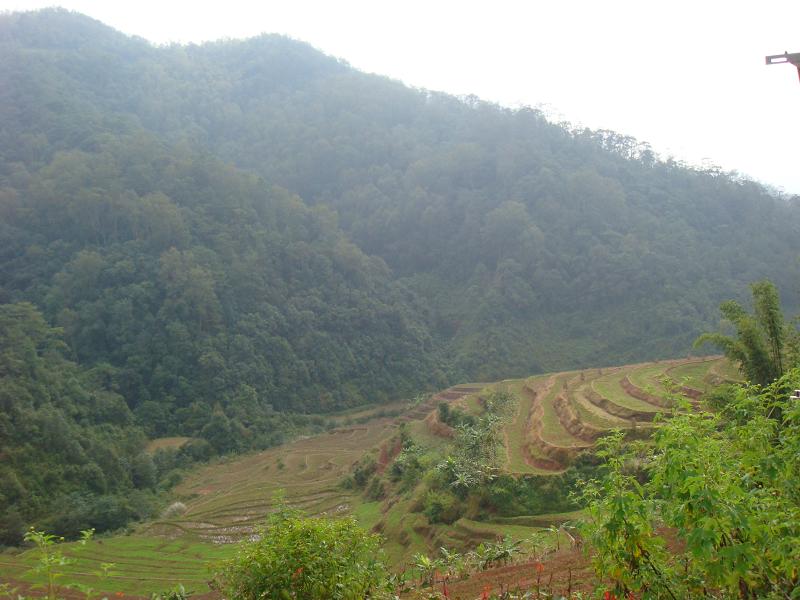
point(310, 558)
point(143, 471)
point(759, 343)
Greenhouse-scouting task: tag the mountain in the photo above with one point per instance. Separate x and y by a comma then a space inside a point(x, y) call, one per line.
point(240, 228)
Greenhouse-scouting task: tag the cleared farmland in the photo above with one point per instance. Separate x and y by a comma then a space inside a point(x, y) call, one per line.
point(559, 415)
point(554, 418)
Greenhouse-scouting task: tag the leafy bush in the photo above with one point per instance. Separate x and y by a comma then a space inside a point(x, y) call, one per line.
point(442, 507)
point(364, 470)
point(103, 513)
point(725, 484)
point(12, 528)
point(376, 490)
point(308, 558)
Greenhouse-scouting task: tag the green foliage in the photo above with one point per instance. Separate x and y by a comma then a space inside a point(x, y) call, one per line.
point(509, 496)
point(364, 470)
point(442, 507)
point(758, 347)
point(214, 241)
point(436, 237)
point(309, 558)
point(409, 466)
point(473, 461)
point(376, 490)
point(51, 562)
point(725, 483)
point(71, 457)
point(51, 559)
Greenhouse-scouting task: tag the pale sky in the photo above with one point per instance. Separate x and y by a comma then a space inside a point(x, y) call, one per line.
point(688, 77)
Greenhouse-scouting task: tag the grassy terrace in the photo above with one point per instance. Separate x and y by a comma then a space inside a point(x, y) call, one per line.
point(515, 430)
point(484, 530)
point(594, 415)
point(693, 375)
point(362, 413)
point(144, 564)
point(423, 436)
point(648, 378)
point(609, 387)
point(724, 369)
point(166, 442)
point(225, 501)
point(553, 431)
point(546, 520)
point(471, 403)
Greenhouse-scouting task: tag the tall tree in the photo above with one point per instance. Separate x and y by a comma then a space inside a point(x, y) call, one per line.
point(759, 343)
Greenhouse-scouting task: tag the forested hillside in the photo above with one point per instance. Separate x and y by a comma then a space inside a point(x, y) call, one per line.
point(243, 227)
point(68, 445)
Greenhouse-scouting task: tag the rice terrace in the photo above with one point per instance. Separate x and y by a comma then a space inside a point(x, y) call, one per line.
point(552, 420)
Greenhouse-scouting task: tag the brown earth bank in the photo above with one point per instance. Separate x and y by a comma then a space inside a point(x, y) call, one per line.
point(532, 451)
point(561, 573)
point(571, 421)
point(559, 455)
point(617, 410)
point(633, 390)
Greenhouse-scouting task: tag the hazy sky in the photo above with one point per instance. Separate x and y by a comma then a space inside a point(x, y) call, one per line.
point(688, 77)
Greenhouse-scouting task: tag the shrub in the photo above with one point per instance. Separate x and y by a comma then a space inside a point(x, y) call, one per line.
point(376, 489)
point(442, 507)
point(12, 528)
point(364, 470)
point(309, 558)
point(171, 479)
point(724, 484)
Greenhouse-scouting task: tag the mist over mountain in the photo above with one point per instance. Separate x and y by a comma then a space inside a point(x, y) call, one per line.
point(237, 228)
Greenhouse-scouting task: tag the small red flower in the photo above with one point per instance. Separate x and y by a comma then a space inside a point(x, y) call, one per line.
point(297, 573)
point(539, 567)
point(609, 596)
point(119, 594)
point(485, 595)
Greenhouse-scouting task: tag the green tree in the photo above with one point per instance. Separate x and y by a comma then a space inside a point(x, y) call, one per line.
point(143, 471)
point(309, 558)
point(759, 343)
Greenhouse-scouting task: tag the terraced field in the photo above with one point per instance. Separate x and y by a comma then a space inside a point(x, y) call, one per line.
point(556, 416)
point(227, 501)
point(142, 565)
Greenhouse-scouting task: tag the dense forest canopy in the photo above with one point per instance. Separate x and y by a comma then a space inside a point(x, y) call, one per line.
point(226, 232)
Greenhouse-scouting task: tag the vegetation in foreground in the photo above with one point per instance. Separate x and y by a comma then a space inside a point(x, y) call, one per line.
point(309, 558)
point(711, 509)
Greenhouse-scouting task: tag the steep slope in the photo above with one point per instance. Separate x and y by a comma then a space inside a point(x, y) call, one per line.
point(70, 455)
point(521, 246)
point(199, 285)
